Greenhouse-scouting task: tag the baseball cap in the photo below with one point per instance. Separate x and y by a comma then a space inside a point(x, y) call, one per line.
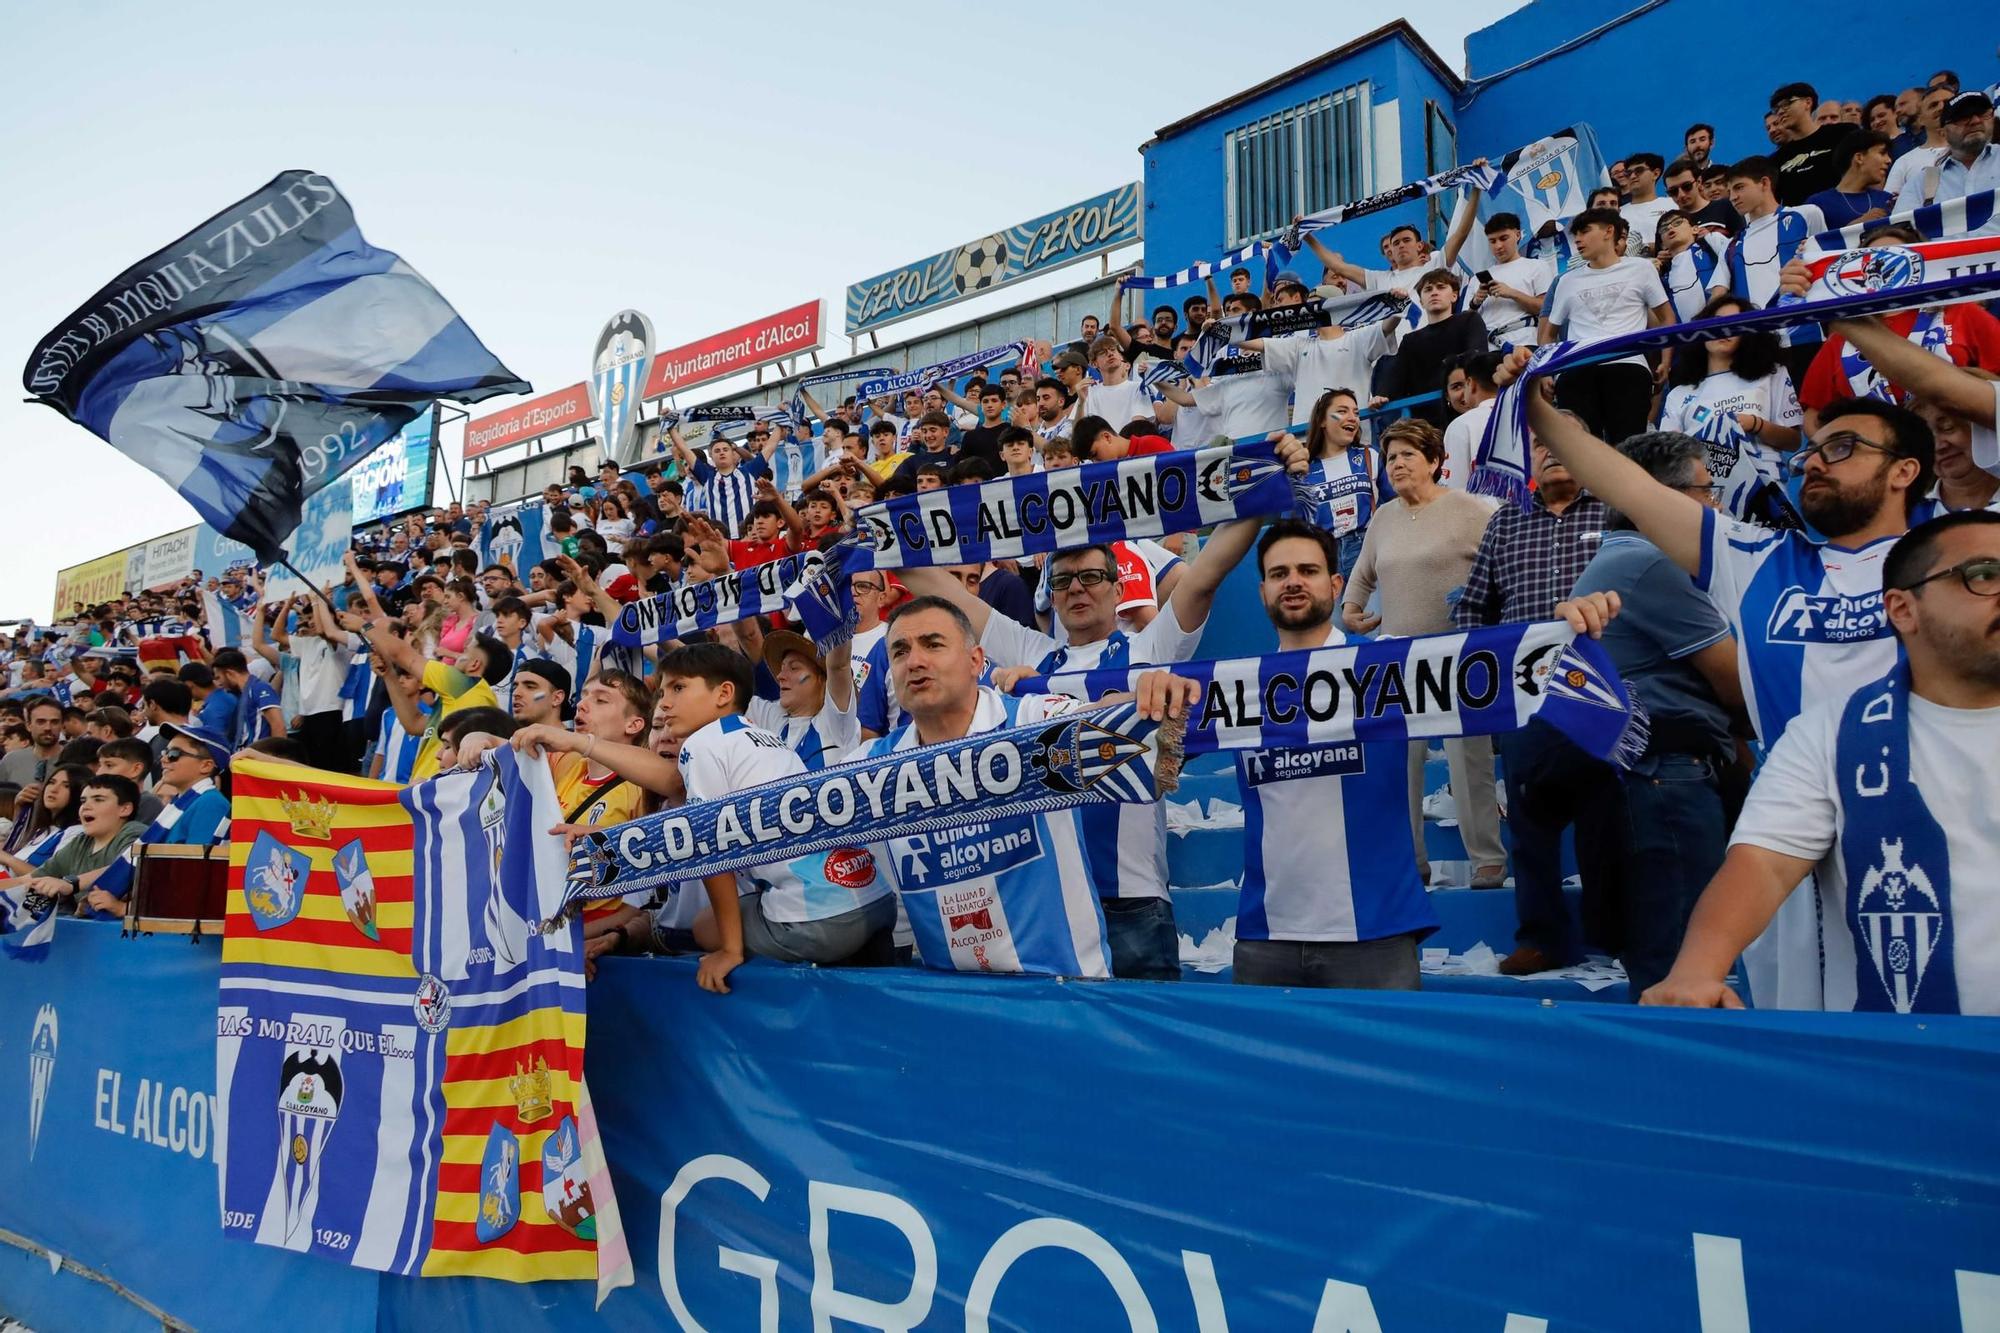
point(1288, 279)
point(1966, 104)
point(206, 739)
point(1070, 360)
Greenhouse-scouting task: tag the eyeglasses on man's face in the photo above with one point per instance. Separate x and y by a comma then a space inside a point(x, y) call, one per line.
point(1089, 578)
point(1838, 448)
point(1980, 575)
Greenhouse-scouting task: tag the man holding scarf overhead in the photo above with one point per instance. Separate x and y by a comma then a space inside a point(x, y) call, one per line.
point(1807, 615)
point(1881, 795)
point(1126, 844)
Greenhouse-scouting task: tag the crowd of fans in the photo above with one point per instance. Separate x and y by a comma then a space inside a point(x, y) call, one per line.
point(441, 641)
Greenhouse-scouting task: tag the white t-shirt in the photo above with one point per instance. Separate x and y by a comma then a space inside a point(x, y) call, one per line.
point(1771, 398)
point(1644, 220)
point(322, 671)
point(1795, 808)
point(825, 738)
point(729, 755)
point(1507, 323)
point(1310, 365)
point(1909, 167)
point(1382, 280)
point(1119, 404)
point(1255, 402)
point(1591, 303)
point(1191, 428)
point(1461, 442)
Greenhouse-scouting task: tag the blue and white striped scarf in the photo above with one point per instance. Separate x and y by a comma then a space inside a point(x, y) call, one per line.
point(1477, 683)
point(1501, 466)
point(28, 920)
point(926, 376)
point(1488, 680)
point(1492, 178)
point(1151, 495)
point(1102, 755)
point(1934, 222)
point(688, 607)
point(797, 404)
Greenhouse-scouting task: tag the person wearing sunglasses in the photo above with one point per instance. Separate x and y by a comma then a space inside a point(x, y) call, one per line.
point(192, 768)
point(1883, 796)
point(1807, 613)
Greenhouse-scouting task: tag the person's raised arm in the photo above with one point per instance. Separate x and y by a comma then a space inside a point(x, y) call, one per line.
point(1332, 262)
point(1933, 378)
point(812, 405)
point(1670, 519)
point(840, 676)
point(930, 581)
point(1461, 225)
point(1117, 329)
point(259, 644)
point(399, 652)
point(1194, 595)
point(635, 763)
point(795, 525)
point(607, 605)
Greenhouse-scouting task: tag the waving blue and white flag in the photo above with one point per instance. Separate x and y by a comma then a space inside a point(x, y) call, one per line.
point(1545, 184)
point(259, 357)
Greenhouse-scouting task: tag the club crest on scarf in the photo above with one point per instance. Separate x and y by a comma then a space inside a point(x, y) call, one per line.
point(1082, 752)
point(1901, 922)
point(1873, 269)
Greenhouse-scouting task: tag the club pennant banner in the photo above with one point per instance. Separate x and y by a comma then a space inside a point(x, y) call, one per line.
point(1873, 268)
point(1151, 495)
point(399, 1054)
point(518, 535)
point(256, 359)
point(926, 376)
point(1477, 683)
point(1108, 754)
point(1501, 465)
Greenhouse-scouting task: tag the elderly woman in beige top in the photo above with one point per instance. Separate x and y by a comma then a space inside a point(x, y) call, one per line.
point(1418, 552)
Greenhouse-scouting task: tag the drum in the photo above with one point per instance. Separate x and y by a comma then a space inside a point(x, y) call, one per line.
point(177, 887)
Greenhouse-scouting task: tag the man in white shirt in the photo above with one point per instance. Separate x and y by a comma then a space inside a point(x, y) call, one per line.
point(1404, 248)
point(1881, 797)
point(1644, 205)
point(1508, 293)
point(1470, 384)
point(1599, 298)
point(1116, 397)
point(1244, 395)
point(1970, 163)
point(324, 651)
point(1913, 161)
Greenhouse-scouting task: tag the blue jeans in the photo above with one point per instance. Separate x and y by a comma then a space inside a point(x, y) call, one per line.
point(1350, 553)
point(1674, 843)
point(1144, 943)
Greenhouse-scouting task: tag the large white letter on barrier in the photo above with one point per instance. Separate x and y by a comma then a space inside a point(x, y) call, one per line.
point(716, 1166)
point(828, 1302)
point(1056, 1233)
point(1978, 1301)
point(1719, 1293)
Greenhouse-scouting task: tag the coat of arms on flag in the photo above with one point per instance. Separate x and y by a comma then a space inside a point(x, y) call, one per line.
point(405, 1086)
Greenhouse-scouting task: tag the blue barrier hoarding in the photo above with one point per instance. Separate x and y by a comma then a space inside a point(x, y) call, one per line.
point(907, 1150)
point(1040, 245)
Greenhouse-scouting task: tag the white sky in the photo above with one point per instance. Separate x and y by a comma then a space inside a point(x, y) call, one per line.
point(707, 165)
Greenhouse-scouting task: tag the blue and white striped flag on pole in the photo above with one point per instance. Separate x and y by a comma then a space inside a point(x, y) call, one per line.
point(1475, 683)
point(259, 357)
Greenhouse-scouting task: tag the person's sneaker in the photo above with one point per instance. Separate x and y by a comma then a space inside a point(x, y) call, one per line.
point(1490, 877)
point(1441, 807)
point(1526, 961)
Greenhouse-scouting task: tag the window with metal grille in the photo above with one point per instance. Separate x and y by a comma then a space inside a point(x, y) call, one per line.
point(1299, 160)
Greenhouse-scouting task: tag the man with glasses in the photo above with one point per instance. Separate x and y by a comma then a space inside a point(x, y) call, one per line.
point(1970, 163)
point(1807, 615)
point(1644, 205)
point(1880, 797)
point(1126, 844)
point(191, 772)
point(1685, 189)
point(1807, 158)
